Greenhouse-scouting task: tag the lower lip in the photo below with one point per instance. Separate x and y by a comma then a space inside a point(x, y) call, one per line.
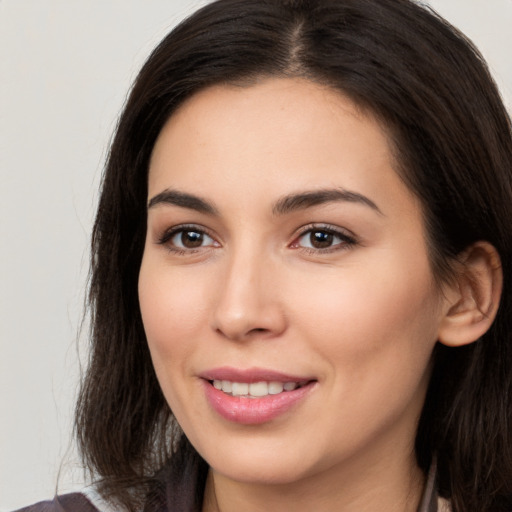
point(254, 411)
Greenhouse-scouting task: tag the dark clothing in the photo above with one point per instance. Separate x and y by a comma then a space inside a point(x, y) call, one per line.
point(75, 502)
point(182, 492)
point(178, 487)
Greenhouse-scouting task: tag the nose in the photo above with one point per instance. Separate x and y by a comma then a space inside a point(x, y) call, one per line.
point(248, 304)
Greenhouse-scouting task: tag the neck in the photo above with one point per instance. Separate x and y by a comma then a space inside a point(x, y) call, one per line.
point(389, 486)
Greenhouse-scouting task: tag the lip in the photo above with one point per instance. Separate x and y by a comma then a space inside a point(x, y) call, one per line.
point(250, 375)
point(253, 411)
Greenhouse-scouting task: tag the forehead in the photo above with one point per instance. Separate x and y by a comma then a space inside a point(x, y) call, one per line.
point(276, 135)
point(293, 105)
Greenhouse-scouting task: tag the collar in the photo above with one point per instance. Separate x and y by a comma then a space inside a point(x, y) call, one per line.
point(430, 501)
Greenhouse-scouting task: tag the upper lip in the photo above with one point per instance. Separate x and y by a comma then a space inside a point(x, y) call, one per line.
point(250, 375)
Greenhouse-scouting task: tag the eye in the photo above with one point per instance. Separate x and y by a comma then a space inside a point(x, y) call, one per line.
point(323, 239)
point(186, 238)
point(190, 239)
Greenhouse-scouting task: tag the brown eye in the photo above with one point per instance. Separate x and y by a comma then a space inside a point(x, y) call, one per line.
point(321, 239)
point(324, 238)
point(190, 239)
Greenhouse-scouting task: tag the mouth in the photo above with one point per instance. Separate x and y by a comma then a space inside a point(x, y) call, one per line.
point(255, 389)
point(254, 396)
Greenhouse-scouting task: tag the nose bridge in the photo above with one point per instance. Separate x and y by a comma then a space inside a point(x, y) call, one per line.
point(246, 303)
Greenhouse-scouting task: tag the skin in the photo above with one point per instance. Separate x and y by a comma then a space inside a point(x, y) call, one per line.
point(360, 317)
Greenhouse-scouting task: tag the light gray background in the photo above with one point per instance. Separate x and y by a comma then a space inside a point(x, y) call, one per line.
point(66, 66)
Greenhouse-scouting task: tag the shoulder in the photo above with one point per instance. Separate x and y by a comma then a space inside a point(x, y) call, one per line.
point(75, 502)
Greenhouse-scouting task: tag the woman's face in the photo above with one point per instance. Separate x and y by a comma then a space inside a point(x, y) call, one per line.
point(285, 288)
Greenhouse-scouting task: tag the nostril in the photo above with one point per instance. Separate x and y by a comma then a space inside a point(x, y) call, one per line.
point(257, 330)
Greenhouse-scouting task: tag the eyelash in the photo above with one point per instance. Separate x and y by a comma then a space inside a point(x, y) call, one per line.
point(169, 234)
point(346, 240)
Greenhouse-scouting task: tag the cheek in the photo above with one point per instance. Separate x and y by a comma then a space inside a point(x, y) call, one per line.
point(376, 332)
point(173, 310)
point(173, 313)
point(384, 316)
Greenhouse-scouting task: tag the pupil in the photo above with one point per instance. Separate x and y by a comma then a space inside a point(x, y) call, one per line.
point(192, 239)
point(321, 239)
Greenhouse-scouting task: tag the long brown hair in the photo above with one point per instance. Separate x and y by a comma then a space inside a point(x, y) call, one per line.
point(452, 136)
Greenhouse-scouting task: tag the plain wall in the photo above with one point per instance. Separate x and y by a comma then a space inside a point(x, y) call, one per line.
point(66, 66)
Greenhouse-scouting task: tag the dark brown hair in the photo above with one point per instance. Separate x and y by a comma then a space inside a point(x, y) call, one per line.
point(452, 137)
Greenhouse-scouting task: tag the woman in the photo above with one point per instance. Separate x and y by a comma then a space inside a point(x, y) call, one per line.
point(302, 261)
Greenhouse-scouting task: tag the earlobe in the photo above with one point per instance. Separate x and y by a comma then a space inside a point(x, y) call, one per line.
point(472, 301)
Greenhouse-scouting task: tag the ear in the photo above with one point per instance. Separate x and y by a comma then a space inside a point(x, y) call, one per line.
point(471, 301)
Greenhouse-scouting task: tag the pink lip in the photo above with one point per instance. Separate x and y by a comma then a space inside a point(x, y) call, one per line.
point(251, 375)
point(253, 411)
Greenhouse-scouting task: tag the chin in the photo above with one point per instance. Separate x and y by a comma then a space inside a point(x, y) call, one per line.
point(275, 463)
point(267, 473)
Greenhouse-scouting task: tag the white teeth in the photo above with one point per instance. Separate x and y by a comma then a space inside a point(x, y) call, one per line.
point(255, 389)
point(240, 388)
point(258, 389)
point(275, 388)
point(227, 386)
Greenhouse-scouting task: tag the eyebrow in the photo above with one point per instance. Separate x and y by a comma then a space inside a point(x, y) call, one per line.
point(184, 200)
point(287, 204)
point(312, 198)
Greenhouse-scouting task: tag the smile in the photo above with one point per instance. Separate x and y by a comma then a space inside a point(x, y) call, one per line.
point(254, 396)
point(254, 389)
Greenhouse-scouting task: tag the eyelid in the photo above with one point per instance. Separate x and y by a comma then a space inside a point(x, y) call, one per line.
point(347, 237)
point(169, 233)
